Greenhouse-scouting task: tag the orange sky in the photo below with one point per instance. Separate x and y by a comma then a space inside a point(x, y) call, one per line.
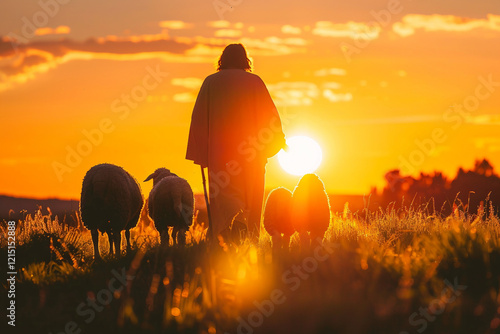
point(417, 88)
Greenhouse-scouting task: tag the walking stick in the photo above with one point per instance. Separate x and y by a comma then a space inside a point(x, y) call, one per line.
point(211, 243)
point(210, 224)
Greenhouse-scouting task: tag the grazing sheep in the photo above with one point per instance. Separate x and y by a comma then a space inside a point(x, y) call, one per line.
point(310, 209)
point(171, 204)
point(277, 219)
point(111, 201)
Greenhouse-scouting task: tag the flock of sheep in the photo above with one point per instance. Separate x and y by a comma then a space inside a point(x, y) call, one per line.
point(306, 210)
point(111, 201)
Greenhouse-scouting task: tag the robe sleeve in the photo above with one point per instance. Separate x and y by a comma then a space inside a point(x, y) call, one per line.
point(268, 118)
point(197, 148)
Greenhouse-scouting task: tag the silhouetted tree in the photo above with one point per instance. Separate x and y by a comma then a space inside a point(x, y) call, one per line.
point(469, 189)
point(476, 186)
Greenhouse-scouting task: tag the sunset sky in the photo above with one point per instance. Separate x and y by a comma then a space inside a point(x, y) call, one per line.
point(378, 84)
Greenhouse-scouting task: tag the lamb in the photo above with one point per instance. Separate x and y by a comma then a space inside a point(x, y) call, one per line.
point(310, 209)
point(171, 204)
point(277, 218)
point(111, 201)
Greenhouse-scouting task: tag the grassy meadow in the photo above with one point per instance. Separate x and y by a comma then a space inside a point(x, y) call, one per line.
point(389, 271)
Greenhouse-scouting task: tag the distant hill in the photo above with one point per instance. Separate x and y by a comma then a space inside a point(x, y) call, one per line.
point(15, 208)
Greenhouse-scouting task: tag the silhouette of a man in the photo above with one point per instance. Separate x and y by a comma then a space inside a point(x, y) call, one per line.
point(235, 128)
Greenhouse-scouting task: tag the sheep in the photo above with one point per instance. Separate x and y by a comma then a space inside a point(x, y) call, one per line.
point(171, 204)
point(277, 219)
point(310, 209)
point(111, 201)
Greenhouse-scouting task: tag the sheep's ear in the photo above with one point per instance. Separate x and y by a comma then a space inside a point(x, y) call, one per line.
point(149, 177)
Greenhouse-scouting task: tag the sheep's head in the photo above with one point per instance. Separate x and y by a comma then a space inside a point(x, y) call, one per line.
point(159, 174)
point(311, 181)
point(310, 187)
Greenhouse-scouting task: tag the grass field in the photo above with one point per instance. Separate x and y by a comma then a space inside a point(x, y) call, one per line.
point(382, 272)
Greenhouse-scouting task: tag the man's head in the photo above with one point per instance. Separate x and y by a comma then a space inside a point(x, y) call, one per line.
point(234, 56)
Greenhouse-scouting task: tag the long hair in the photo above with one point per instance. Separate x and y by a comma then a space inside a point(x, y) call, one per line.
point(234, 56)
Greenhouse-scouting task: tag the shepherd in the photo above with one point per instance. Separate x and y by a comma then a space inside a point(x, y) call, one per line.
point(235, 128)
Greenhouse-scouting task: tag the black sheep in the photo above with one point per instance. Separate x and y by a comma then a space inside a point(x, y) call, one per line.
point(277, 217)
point(111, 201)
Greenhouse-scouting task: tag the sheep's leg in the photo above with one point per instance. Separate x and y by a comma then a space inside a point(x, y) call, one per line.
point(127, 236)
point(276, 250)
point(316, 238)
point(285, 243)
point(276, 238)
point(164, 238)
point(304, 241)
point(110, 239)
point(175, 230)
point(95, 241)
point(118, 242)
point(181, 236)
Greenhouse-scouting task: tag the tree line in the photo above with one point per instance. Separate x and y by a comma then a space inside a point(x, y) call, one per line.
point(472, 191)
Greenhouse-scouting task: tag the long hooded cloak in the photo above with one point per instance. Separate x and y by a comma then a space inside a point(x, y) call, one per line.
point(234, 124)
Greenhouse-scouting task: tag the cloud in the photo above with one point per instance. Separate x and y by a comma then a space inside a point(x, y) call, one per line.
point(406, 119)
point(491, 144)
point(331, 85)
point(287, 41)
point(206, 50)
point(299, 93)
point(451, 23)
point(110, 44)
point(486, 119)
point(330, 71)
point(219, 24)
point(185, 97)
point(354, 30)
point(402, 29)
point(20, 63)
point(228, 33)
point(190, 83)
point(225, 24)
point(61, 30)
point(270, 46)
point(336, 97)
point(288, 29)
point(295, 93)
point(175, 25)
point(402, 73)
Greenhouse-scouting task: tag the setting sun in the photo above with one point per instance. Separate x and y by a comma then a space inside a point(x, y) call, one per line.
point(303, 156)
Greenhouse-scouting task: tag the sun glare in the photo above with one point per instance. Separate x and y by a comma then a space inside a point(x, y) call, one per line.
point(303, 156)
